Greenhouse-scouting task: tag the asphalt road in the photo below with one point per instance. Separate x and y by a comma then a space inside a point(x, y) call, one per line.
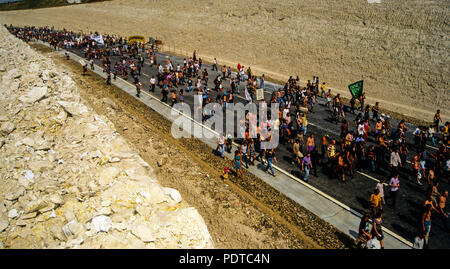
point(402, 220)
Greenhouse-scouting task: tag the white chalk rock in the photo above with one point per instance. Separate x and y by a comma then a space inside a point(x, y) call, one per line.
point(28, 141)
point(36, 94)
point(56, 199)
point(15, 73)
point(65, 229)
point(143, 233)
point(4, 223)
point(76, 228)
point(14, 195)
point(35, 205)
point(174, 194)
point(8, 128)
point(108, 174)
point(101, 223)
point(73, 108)
point(119, 226)
point(27, 180)
point(13, 213)
point(2, 208)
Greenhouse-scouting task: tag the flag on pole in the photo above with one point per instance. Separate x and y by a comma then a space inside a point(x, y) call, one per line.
point(356, 88)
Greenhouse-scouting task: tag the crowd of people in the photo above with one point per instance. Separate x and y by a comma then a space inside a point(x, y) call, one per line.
point(370, 141)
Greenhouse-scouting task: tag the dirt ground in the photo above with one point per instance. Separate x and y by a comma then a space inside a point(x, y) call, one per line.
point(239, 213)
point(399, 48)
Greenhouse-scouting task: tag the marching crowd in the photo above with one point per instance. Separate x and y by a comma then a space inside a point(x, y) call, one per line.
point(370, 141)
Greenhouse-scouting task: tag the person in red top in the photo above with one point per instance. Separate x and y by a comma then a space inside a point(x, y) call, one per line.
point(366, 129)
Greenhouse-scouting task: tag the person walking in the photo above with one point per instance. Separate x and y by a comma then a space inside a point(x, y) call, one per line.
point(437, 119)
point(115, 71)
point(214, 66)
point(84, 68)
point(364, 234)
point(419, 241)
point(377, 230)
point(237, 163)
point(297, 153)
point(108, 75)
point(221, 146)
point(394, 184)
point(375, 201)
point(425, 223)
point(306, 166)
point(152, 84)
point(396, 161)
point(270, 158)
point(138, 89)
point(380, 187)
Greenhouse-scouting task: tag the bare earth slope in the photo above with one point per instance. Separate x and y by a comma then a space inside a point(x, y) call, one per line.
point(399, 48)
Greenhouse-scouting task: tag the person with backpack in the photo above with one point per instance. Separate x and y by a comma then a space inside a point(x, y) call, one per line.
point(138, 89)
point(377, 230)
point(364, 234)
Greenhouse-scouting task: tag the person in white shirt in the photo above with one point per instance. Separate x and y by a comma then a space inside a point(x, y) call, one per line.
point(152, 83)
point(394, 184)
point(380, 187)
point(361, 129)
point(285, 112)
point(220, 145)
point(396, 161)
point(419, 241)
point(214, 66)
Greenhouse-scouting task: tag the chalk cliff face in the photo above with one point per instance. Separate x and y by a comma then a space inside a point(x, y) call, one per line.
point(67, 178)
point(400, 48)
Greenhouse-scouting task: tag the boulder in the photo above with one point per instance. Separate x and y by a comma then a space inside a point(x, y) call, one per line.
point(76, 228)
point(28, 216)
point(107, 175)
point(174, 194)
point(101, 223)
point(11, 196)
point(7, 128)
point(56, 199)
point(142, 232)
point(73, 108)
point(13, 213)
point(35, 205)
point(4, 223)
point(36, 94)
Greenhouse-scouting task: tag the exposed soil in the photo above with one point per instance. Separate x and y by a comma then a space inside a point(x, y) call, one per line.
point(239, 213)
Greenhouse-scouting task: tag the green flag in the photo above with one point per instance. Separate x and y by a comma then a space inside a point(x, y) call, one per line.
point(356, 88)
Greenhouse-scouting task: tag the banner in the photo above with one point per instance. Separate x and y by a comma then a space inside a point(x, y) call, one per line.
point(98, 39)
point(260, 94)
point(356, 88)
point(136, 38)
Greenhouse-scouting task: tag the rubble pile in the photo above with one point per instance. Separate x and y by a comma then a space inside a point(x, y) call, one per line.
point(67, 178)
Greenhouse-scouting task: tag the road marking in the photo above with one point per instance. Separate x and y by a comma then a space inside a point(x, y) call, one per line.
point(432, 147)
